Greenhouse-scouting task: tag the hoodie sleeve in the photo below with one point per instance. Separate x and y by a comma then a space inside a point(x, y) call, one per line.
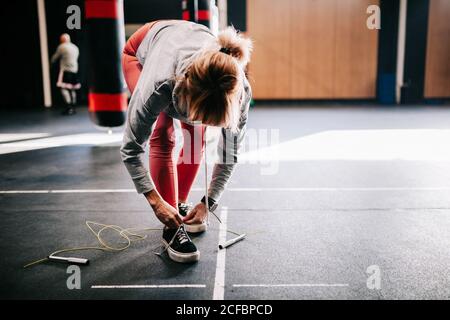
point(228, 149)
point(138, 129)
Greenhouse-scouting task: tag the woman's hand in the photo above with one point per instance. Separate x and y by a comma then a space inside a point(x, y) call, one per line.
point(164, 211)
point(197, 215)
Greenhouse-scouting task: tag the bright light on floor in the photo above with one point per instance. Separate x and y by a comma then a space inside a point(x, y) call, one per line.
point(91, 139)
point(392, 144)
point(8, 137)
point(395, 144)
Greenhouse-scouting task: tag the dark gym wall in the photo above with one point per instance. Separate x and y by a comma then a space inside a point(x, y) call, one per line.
point(387, 51)
point(237, 14)
point(20, 57)
point(415, 51)
point(142, 11)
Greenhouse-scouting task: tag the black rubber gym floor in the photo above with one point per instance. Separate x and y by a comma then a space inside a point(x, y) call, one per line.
point(357, 190)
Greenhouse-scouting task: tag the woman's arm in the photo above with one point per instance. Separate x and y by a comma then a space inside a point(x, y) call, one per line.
point(138, 129)
point(228, 150)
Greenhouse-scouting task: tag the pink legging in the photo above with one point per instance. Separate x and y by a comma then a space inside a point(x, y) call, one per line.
point(173, 181)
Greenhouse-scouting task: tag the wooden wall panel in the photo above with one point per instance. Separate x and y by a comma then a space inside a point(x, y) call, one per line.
point(356, 51)
point(270, 76)
point(437, 70)
point(313, 45)
point(312, 49)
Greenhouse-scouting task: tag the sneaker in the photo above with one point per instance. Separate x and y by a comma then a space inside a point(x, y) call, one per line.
point(179, 246)
point(183, 209)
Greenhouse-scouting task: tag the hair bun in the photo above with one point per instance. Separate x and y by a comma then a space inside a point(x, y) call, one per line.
point(235, 45)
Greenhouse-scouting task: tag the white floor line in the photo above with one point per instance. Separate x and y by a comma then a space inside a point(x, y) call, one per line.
point(237, 190)
point(290, 285)
point(149, 286)
point(326, 189)
point(70, 191)
point(219, 282)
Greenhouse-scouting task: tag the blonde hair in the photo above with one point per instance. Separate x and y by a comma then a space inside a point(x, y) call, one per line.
point(213, 82)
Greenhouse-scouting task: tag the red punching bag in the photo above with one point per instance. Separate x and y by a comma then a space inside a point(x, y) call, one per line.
point(197, 11)
point(106, 39)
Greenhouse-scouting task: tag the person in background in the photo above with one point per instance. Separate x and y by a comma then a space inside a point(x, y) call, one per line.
point(67, 53)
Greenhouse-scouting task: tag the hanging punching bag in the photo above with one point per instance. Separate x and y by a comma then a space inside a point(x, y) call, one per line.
point(204, 13)
point(197, 11)
point(106, 39)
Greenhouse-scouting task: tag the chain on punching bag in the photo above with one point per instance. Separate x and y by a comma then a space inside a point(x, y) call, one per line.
point(106, 39)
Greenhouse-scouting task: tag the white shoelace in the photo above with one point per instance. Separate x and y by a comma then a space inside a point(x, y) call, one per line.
point(182, 237)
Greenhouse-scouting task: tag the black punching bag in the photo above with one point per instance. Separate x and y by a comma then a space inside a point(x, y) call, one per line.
point(197, 11)
point(106, 39)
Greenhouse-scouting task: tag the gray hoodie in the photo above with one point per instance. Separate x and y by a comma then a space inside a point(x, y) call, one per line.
point(68, 53)
point(165, 53)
